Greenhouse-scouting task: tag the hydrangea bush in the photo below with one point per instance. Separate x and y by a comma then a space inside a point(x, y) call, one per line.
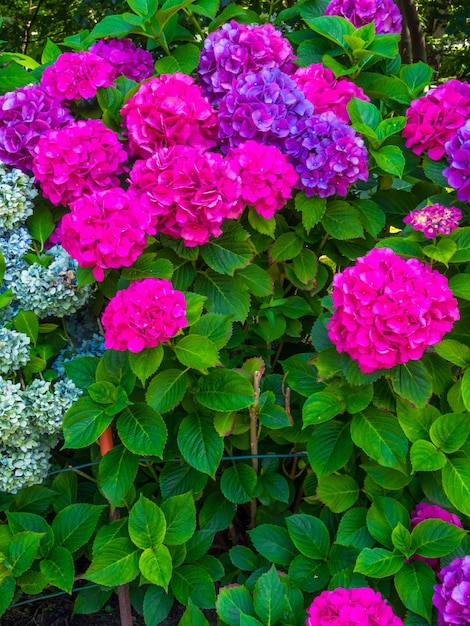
point(235, 298)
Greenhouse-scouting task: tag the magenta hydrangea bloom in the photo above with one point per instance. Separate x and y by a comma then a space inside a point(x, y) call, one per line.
point(388, 310)
point(125, 58)
point(81, 158)
point(384, 13)
point(76, 75)
point(266, 106)
point(187, 193)
point(235, 49)
point(266, 176)
point(328, 156)
point(458, 172)
point(345, 607)
point(326, 92)
point(167, 110)
point(144, 315)
point(434, 219)
point(424, 511)
point(452, 596)
point(105, 230)
point(25, 115)
point(434, 119)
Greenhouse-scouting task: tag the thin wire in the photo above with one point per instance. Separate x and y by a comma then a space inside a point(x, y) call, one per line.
point(51, 595)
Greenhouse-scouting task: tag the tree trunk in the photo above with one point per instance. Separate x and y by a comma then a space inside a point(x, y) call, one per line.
point(413, 41)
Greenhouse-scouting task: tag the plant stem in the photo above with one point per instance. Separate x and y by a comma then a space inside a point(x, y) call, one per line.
point(254, 439)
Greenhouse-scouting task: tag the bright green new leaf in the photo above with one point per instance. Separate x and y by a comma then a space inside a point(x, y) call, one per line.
point(378, 562)
point(59, 569)
point(146, 362)
point(74, 525)
point(147, 524)
point(21, 551)
point(224, 390)
point(456, 483)
point(232, 602)
point(116, 564)
point(321, 407)
point(415, 586)
point(197, 351)
point(433, 538)
point(425, 457)
point(156, 565)
point(268, 598)
point(450, 431)
point(338, 492)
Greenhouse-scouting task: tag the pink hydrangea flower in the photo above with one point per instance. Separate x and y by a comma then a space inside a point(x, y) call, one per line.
point(384, 13)
point(424, 511)
point(266, 176)
point(458, 172)
point(125, 58)
point(104, 230)
point(389, 310)
point(168, 110)
point(144, 315)
point(79, 159)
point(26, 114)
point(187, 193)
point(76, 75)
point(326, 92)
point(434, 119)
point(452, 595)
point(235, 49)
point(345, 607)
point(434, 219)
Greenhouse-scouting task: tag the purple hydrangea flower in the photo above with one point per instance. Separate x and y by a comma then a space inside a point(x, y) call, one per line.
point(235, 49)
point(458, 172)
point(434, 219)
point(125, 57)
point(384, 13)
point(328, 155)
point(266, 106)
point(25, 115)
point(452, 596)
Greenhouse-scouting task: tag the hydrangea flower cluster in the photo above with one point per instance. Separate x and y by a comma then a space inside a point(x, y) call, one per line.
point(458, 172)
point(79, 159)
point(105, 230)
point(266, 176)
point(92, 346)
point(25, 115)
point(326, 92)
point(235, 49)
point(424, 511)
point(328, 156)
point(16, 195)
point(14, 350)
point(76, 75)
point(452, 595)
point(344, 607)
point(434, 119)
point(434, 219)
point(167, 110)
point(125, 58)
point(388, 310)
point(144, 315)
point(384, 13)
point(186, 193)
point(266, 106)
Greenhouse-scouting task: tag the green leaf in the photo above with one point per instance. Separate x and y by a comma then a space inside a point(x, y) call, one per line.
point(305, 266)
point(226, 295)
point(312, 209)
point(238, 483)
point(257, 280)
point(41, 224)
point(59, 569)
point(84, 422)
point(390, 159)
point(192, 582)
point(193, 616)
point(157, 605)
point(412, 381)
point(443, 251)
point(89, 601)
point(433, 538)
point(27, 322)
point(352, 530)
point(167, 389)
point(425, 457)
point(114, 530)
point(142, 430)
point(147, 524)
point(273, 542)
point(414, 584)
point(329, 447)
point(82, 370)
point(117, 563)
point(200, 444)
point(268, 598)
point(197, 351)
point(456, 483)
point(378, 562)
point(416, 423)
point(309, 535)
point(308, 575)
point(433, 170)
point(116, 474)
point(7, 590)
point(454, 351)
point(342, 221)
point(156, 565)
point(450, 431)
point(401, 539)
point(180, 515)
point(461, 236)
point(338, 492)
point(114, 367)
point(184, 59)
point(261, 224)
point(111, 26)
point(21, 551)
point(321, 407)
point(232, 602)
point(389, 127)
point(146, 362)
point(381, 437)
point(229, 252)
point(217, 328)
point(178, 478)
point(224, 390)
point(383, 516)
point(74, 525)
point(271, 414)
point(416, 76)
point(286, 247)
point(18, 522)
point(362, 112)
point(332, 27)
point(460, 283)
point(371, 215)
point(244, 558)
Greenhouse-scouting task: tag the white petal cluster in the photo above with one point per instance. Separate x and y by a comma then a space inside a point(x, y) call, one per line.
point(16, 194)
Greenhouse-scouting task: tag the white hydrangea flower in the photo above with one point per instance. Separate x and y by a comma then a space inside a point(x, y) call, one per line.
point(16, 194)
point(14, 350)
